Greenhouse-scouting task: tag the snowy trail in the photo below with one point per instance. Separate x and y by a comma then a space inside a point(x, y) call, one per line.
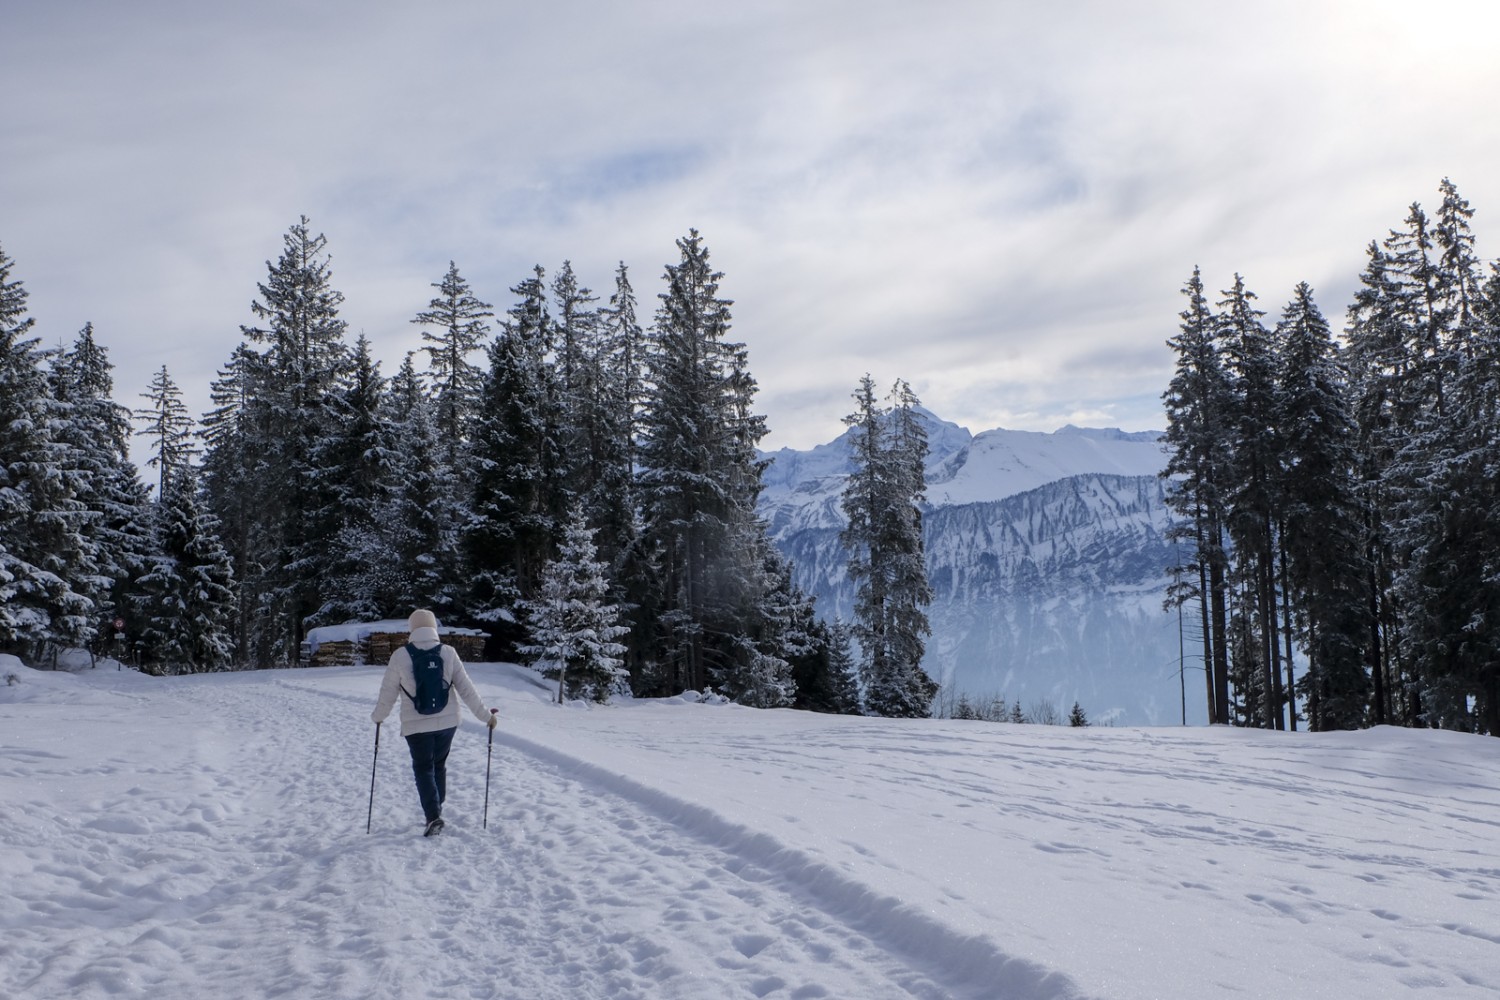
point(248, 871)
point(204, 836)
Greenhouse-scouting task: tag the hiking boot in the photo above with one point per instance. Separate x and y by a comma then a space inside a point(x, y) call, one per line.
point(434, 827)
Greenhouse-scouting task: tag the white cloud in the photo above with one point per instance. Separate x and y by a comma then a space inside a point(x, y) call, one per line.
point(995, 201)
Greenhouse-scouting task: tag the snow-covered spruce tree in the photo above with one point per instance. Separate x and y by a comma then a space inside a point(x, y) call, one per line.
point(1460, 276)
point(620, 350)
point(1414, 286)
point(1417, 336)
point(1442, 529)
point(908, 588)
point(1378, 355)
point(625, 344)
point(98, 430)
point(360, 460)
point(886, 560)
point(574, 323)
point(573, 627)
point(594, 425)
point(423, 566)
point(1410, 331)
point(828, 678)
point(864, 496)
point(512, 524)
point(843, 671)
point(699, 482)
point(169, 426)
point(234, 452)
point(454, 327)
point(779, 633)
point(1443, 481)
point(186, 600)
point(1402, 363)
point(1252, 484)
point(1197, 402)
point(44, 548)
point(1323, 535)
point(283, 415)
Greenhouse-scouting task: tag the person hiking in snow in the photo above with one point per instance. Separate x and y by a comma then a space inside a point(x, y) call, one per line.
point(421, 673)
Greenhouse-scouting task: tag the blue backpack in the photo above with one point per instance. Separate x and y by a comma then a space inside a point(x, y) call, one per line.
point(432, 691)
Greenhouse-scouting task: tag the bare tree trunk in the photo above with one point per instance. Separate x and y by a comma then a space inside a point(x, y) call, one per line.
point(1217, 589)
point(1286, 618)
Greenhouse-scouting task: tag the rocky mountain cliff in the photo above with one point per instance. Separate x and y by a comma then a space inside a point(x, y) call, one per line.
point(1047, 557)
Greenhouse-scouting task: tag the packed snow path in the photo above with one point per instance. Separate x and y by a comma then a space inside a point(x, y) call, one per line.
point(238, 863)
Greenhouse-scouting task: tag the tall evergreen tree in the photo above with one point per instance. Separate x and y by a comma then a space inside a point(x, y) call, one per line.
point(186, 603)
point(1253, 481)
point(98, 429)
point(422, 525)
point(700, 479)
point(1415, 287)
point(1198, 405)
point(169, 426)
point(44, 547)
point(574, 327)
point(361, 462)
point(1443, 481)
point(454, 328)
point(625, 343)
point(884, 539)
point(1379, 357)
point(1459, 274)
point(621, 395)
point(594, 426)
point(1428, 327)
point(236, 453)
point(512, 526)
point(286, 415)
point(1325, 523)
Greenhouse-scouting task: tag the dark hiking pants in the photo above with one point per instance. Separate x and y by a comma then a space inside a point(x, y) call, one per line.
point(429, 762)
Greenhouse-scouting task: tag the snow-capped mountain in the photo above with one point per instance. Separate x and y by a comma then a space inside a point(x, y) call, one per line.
point(1047, 556)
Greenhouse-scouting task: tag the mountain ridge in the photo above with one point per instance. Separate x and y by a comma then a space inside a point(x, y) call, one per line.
point(1047, 555)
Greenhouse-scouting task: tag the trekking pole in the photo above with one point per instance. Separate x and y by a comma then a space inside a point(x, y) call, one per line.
point(371, 816)
point(490, 750)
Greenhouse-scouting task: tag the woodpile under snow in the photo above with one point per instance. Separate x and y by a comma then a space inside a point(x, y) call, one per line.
point(373, 643)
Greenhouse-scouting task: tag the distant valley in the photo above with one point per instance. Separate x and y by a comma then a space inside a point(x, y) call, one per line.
point(1048, 559)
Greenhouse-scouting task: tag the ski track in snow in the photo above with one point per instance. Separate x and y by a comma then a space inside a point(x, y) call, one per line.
point(250, 878)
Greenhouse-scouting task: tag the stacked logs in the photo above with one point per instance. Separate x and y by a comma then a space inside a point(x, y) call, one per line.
point(344, 653)
point(380, 645)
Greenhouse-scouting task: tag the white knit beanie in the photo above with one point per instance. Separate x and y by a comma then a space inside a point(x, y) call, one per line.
point(421, 618)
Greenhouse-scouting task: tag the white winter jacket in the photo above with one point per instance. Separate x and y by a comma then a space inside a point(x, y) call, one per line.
point(399, 675)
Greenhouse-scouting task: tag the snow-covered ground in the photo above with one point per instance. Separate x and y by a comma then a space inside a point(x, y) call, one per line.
point(205, 836)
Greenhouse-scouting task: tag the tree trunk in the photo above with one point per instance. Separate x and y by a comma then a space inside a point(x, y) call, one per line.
point(1208, 646)
point(1375, 654)
point(1315, 675)
point(1217, 589)
point(1271, 650)
point(1286, 621)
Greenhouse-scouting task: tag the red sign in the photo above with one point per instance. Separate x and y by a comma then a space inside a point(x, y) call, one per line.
point(119, 624)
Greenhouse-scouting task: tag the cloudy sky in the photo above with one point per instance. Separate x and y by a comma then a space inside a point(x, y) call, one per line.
point(997, 201)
